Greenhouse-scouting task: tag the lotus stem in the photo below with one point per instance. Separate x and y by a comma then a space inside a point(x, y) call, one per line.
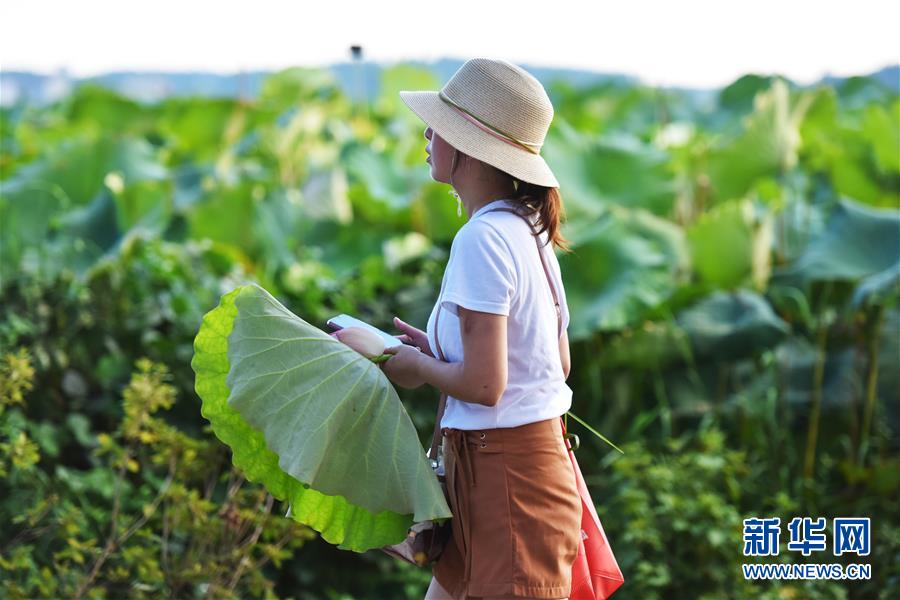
point(871, 381)
point(812, 435)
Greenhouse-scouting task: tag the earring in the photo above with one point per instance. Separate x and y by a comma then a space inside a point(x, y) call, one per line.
point(453, 193)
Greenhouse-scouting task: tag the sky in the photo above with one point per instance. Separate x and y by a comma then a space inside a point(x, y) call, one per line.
point(694, 43)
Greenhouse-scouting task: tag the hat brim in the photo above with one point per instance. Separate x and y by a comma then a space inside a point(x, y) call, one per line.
point(460, 133)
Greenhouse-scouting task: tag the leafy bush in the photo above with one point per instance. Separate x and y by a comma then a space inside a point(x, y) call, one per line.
point(155, 512)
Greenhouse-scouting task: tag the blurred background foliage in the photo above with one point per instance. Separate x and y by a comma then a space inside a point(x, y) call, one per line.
point(733, 288)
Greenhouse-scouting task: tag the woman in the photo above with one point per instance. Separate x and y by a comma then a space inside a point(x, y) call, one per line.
point(517, 511)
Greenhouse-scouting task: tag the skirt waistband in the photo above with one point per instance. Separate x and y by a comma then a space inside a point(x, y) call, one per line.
point(513, 438)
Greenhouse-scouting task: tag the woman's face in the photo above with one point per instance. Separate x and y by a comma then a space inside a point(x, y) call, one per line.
point(440, 156)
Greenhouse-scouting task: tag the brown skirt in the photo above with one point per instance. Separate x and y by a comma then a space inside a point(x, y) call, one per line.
point(516, 513)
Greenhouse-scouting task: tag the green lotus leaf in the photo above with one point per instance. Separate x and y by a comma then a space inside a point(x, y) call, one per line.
point(858, 241)
point(76, 169)
point(200, 130)
point(732, 325)
point(879, 289)
point(633, 174)
point(767, 145)
point(317, 424)
point(854, 142)
point(728, 247)
point(738, 96)
point(624, 265)
point(296, 86)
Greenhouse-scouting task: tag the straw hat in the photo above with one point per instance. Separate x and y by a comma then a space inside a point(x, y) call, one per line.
point(494, 111)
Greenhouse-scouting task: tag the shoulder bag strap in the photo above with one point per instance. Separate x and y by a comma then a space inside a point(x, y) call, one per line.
point(432, 453)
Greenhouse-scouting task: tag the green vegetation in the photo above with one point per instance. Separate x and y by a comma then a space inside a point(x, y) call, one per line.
point(733, 290)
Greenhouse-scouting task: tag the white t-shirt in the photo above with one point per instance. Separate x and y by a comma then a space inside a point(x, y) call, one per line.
point(494, 268)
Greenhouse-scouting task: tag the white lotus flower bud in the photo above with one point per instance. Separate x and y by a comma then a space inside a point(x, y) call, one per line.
point(362, 340)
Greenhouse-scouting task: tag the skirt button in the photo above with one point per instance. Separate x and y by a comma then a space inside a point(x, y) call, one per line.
point(482, 435)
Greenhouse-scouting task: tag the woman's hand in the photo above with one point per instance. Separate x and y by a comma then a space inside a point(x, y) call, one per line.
point(403, 368)
point(411, 335)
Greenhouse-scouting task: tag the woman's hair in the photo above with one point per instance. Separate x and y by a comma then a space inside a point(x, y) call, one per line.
point(533, 199)
point(547, 204)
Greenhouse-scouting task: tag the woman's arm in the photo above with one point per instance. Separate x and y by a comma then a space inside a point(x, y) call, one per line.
point(564, 356)
point(480, 378)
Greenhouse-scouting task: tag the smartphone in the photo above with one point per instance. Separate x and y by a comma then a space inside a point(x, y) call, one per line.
point(344, 321)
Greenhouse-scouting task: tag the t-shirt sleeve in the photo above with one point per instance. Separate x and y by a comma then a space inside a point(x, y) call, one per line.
point(481, 274)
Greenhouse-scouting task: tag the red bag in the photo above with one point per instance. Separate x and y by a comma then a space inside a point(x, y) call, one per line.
point(595, 572)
